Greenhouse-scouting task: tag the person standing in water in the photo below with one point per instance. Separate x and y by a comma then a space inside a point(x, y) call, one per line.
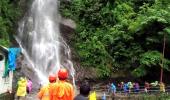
point(62, 90)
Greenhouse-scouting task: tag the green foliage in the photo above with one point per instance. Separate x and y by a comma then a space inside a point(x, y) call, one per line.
point(150, 58)
point(104, 71)
point(161, 96)
point(140, 71)
point(9, 13)
point(120, 35)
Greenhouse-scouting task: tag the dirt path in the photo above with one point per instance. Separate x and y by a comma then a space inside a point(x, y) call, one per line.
point(32, 96)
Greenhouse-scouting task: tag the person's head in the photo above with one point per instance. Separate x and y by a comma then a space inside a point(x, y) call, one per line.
point(62, 74)
point(85, 89)
point(28, 79)
point(52, 78)
point(21, 78)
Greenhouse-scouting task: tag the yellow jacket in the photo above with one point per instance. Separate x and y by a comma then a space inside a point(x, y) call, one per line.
point(162, 87)
point(93, 96)
point(22, 84)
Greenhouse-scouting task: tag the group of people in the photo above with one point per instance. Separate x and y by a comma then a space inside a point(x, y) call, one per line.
point(129, 87)
point(60, 89)
point(123, 87)
point(24, 87)
point(148, 86)
point(57, 89)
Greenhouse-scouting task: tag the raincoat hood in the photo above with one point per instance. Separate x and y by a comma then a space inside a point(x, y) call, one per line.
point(63, 74)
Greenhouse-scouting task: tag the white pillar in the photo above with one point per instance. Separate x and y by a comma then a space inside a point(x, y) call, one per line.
point(5, 83)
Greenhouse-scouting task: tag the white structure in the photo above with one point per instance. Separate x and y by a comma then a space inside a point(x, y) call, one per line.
point(5, 83)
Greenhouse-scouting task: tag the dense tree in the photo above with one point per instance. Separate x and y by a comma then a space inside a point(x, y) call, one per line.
point(120, 35)
point(9, 14)
point(111, 35)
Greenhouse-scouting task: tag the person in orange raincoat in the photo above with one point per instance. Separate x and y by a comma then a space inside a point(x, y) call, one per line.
point(62, 90)
point(44, 91)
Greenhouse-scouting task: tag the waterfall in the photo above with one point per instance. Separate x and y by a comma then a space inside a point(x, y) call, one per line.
point(44, 50)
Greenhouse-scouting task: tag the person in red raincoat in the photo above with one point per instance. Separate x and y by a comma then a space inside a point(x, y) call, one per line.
point(62, 90)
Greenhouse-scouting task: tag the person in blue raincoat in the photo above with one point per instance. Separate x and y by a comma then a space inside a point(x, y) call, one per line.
point(113, 88)
point(136, 87)
point(125, 88)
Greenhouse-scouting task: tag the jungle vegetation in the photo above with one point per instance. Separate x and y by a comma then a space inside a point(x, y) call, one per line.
point(10, 12)
point(113, 35)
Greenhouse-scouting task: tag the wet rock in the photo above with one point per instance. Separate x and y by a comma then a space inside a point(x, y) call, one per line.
point(67, 28)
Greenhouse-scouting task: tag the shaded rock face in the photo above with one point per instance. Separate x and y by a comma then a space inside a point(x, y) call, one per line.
point(68, 23)
point(85, 73)
point(67, 28)
point(22, 70)
point(17, 73)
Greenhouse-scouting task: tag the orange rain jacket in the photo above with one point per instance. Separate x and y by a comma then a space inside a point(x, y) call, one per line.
point(61, 90)
point(44, 92)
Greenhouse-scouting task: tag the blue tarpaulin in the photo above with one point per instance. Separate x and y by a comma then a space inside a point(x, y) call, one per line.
point(12, 55)
point(10, 62)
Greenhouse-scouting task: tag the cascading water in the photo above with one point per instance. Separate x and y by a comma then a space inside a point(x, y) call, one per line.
point(39, 37)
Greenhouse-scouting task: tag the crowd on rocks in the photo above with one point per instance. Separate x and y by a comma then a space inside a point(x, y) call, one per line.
point(24, 87)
